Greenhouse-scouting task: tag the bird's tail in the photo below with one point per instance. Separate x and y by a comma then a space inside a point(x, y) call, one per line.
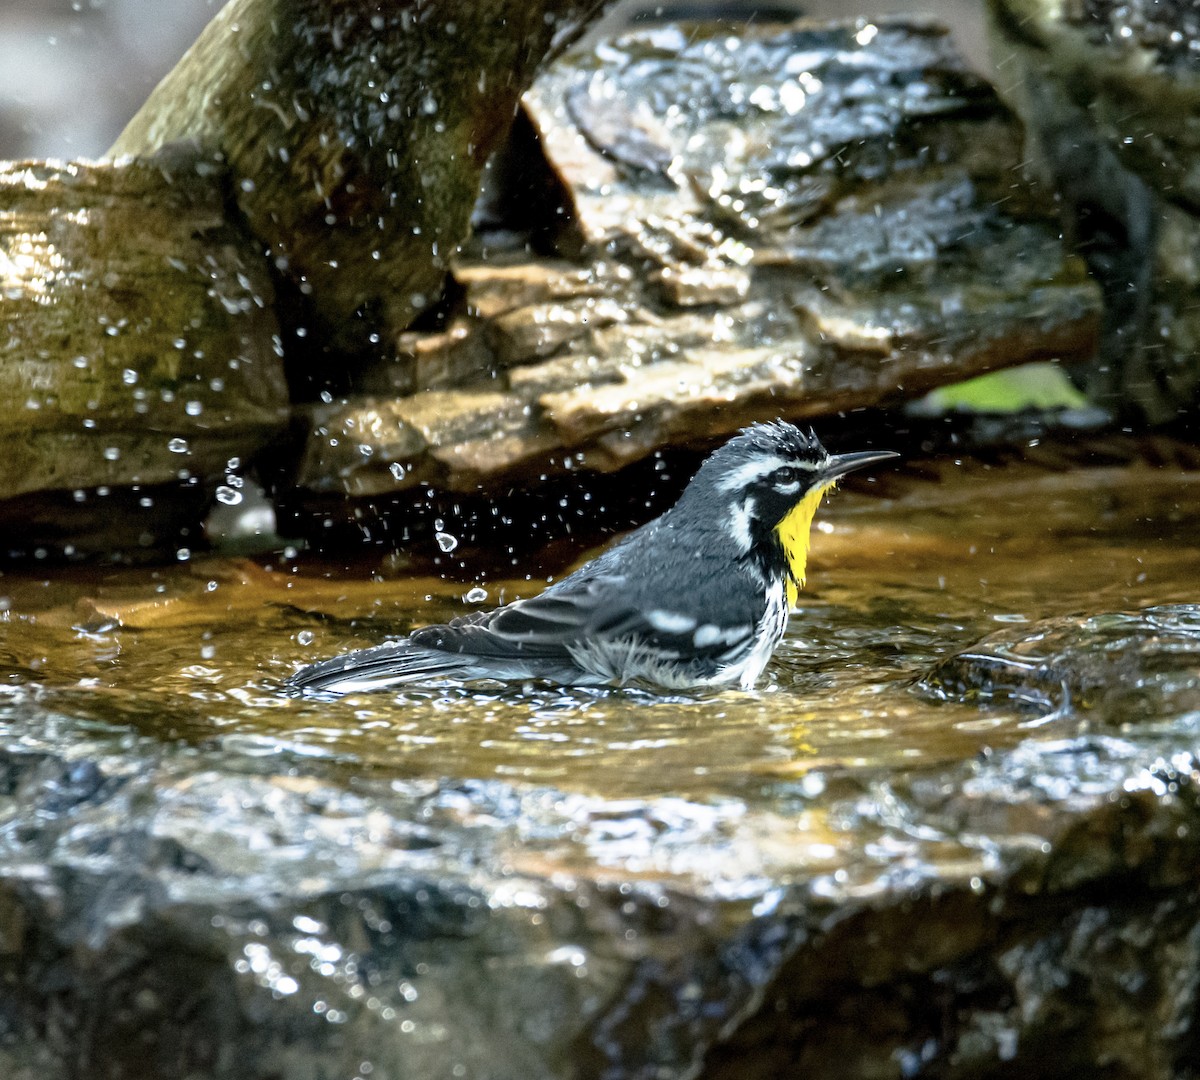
point(376, 668)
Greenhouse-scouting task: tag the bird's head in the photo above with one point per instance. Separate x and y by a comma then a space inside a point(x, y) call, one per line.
point(767, 482)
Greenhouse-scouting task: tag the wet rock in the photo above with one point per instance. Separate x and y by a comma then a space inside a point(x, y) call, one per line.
point(834, 876)
point(1117, 665)
point(141, 358)
point(188, 912)
point(354, 142)
point(1111, 96)
point(799, 221)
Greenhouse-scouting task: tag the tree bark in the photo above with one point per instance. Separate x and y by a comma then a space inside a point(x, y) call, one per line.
point(356, 134)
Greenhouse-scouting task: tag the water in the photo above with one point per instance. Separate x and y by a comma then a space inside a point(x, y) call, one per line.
point(198, 653)
point(532, 883)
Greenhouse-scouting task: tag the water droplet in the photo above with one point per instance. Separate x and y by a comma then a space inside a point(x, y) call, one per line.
point(183, 554)
point(112, 453)
point(193, 408)
point(397, 470)
point(178, 446)
point(129, 377)
point(476, 596)
point(228, 496)
point(305, 637)
point(446, 542)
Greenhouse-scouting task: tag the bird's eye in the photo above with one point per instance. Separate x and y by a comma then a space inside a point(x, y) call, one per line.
point(785, 475)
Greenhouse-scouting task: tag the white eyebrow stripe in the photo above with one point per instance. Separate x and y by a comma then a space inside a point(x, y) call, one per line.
point(750, 470)
point(761, 467)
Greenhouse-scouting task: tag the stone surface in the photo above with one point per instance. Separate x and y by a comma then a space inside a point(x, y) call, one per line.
point(801, 221)
point(168, 913)
point(140, 350)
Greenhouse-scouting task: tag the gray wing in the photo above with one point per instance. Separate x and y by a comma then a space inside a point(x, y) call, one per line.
point(710, 623)
point(581, 612)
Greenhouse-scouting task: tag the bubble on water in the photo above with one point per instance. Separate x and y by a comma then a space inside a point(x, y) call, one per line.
point(178, 446)
point(228, 496)
point(305, 637)
point(476, 596)
point(446, 542)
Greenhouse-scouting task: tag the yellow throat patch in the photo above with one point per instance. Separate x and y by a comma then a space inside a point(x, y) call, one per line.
point(795, 534)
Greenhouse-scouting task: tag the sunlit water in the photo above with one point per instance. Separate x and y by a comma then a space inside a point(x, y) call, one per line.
point(199, 653)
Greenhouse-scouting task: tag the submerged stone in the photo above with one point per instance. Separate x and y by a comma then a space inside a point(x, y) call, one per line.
point(1123, 667)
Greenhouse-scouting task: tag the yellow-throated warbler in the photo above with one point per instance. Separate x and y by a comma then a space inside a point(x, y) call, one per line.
point(698, 597)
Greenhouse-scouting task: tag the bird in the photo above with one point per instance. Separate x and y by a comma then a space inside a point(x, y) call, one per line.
point(698, 597)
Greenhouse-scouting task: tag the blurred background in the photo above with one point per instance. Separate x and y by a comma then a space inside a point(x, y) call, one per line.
point(72, 72)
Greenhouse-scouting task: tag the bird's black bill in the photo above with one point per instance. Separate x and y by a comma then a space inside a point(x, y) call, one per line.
point(840, 464)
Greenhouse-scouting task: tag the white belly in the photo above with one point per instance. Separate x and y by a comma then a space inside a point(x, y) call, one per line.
point(766, 639)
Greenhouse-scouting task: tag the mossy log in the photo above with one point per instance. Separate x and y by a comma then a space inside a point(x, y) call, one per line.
point(315, 158)
point(139, 348)
point(355, 134)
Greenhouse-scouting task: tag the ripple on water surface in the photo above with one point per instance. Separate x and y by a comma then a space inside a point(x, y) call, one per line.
point(199, 653)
